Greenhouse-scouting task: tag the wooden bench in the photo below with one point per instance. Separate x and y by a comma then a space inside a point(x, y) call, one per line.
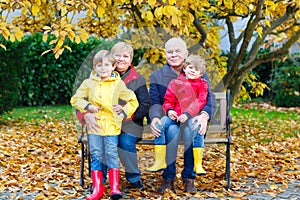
point(218, 132)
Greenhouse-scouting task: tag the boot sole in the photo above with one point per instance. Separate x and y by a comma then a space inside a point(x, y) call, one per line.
point(116, 196)
point(159, 170)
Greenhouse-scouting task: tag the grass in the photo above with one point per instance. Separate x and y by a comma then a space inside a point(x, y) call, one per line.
point(263, 115)
point(66, 111)
point(40, 112)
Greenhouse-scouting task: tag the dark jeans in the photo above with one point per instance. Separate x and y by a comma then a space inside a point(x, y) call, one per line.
point(128, 157)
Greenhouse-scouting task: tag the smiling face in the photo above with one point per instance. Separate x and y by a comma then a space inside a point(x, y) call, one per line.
point(191, 72)
point(123, 61)
point(194, 66)
point(104, 68)
point(123, 54)
point(176, 52)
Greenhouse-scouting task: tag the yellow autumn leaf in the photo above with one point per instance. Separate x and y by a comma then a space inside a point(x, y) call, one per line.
point(100, 11)
point(71, 35)
point(171, 2)
point(59, 43)
point(19, 35)
point(35, 9)
point(158, 12)
point(46, 52)
point(77, 39)
point(40, 197)
point(268, 23)
point(273, 187)
point(5, 33)
point(259, 31)
point(67, 47)
point(3, 47)
point(63, 11)
point(45, 37)
point(12, 38)
point(47, 28)
point(52, 41)
point(152, 3)
point(149, 16)
point(84, 36)
point(175, 20)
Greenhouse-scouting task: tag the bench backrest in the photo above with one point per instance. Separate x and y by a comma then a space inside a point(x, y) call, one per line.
point(218, 122)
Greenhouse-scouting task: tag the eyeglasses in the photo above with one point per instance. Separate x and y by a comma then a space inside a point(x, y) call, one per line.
point(172, 51)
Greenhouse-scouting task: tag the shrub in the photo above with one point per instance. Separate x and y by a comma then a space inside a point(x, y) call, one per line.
point(286, 84)
point(49, 81)
point(11, 65)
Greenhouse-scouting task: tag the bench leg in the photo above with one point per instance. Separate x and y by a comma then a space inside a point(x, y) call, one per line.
point(89, 160)
point(227, 172)
point(82, 166)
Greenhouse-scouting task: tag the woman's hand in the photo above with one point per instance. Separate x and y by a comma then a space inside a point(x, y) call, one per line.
point(155, 131)
point(119, 110)
point(201, 120)
point(94, 109)
point(91, 122)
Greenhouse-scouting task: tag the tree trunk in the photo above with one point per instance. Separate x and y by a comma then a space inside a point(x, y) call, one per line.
point(235, 87)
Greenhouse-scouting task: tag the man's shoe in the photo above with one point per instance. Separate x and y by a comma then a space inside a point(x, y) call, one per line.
point(137, 184)
point(166, 184)
point(189, 185)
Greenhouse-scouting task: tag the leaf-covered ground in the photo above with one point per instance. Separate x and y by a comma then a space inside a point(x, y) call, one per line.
point(41, 160)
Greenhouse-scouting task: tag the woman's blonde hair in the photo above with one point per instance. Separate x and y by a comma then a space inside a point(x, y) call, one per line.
point(122, 47)
point(197, 61)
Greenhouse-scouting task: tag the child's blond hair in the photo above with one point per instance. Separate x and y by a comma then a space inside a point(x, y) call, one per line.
point(98, 58)
point(197, 61)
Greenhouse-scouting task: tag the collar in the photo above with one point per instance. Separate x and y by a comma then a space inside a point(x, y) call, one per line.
point(132, 75)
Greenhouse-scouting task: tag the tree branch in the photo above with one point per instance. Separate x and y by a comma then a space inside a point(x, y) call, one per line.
point(197, 24)
point(276, 54)
point(266, 31)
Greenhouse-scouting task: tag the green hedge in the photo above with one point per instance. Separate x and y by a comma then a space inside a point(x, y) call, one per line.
point(11, 66)
point(49, 81)
point(29, 79)
point(286, 84)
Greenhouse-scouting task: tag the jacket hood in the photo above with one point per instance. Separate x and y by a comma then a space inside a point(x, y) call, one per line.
point(114, 75)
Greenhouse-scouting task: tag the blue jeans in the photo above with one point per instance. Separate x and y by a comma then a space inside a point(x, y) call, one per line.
point(165, 123)
point(190, 139)
point(128, 157)
point(104, 151)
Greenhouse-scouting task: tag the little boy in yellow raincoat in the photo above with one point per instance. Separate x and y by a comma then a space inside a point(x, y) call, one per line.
point(100, 94)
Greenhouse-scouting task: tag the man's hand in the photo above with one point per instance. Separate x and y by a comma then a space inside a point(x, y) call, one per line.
point(91, 122)
point(155, 131)
point(200, 120)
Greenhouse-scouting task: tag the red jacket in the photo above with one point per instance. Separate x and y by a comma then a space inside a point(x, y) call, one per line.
point(186, 96)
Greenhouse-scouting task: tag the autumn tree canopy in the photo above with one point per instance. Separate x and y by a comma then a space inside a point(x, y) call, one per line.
point(270, 24)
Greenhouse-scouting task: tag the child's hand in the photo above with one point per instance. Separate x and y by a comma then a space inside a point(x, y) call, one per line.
point(182, 118)
point(94, 109)
point(172, 114)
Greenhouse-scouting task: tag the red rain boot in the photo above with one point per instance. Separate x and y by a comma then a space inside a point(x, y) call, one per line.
point(114, 181)
point(98, 187)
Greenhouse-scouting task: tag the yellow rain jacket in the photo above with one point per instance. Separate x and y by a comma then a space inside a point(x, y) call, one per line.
point(105, 94)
